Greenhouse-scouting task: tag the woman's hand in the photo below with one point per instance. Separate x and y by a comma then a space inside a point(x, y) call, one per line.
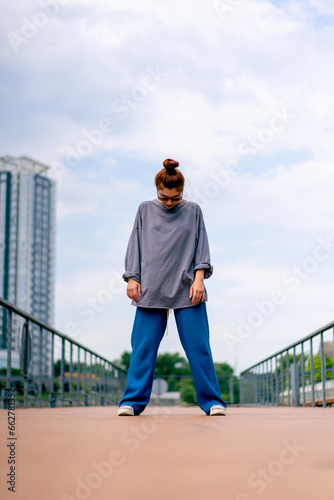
point(132, 289)
point(197, 289)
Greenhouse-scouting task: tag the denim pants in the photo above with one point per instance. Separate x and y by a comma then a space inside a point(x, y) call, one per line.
point(148, 330)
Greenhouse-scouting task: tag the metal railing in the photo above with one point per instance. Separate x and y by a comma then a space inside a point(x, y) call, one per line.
point(79, 376)
point(300, 374)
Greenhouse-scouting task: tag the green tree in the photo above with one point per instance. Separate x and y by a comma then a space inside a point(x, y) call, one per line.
point(171, 364)
point(317, 368)
point(123, 361)
point(57, 367)
point(189, 393)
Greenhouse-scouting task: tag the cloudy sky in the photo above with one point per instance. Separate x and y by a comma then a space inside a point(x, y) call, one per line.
point(241, 94)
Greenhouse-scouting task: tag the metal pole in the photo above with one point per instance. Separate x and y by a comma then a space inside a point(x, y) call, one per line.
point(118, 382)
point(96, 383)
point(181, 387)
point(294, 395)
point(85, 381)
point(323, 369)
point(114, 387)
point(303, 374)
point(62, 372)
point(101, 384)
point(240, 390)
point(261, 383)
point(333, 352)
point(104, 380)
point(6, 392)
point(295, 380)
point(26, 376)
point(312, 372)
point(288, 374)
point(9, 349)
point(282, 379)
point(71, 374)
point(276, 381)
point(266, 384)
point(90, 380)
point(78, 379)
point(52, 395)
point(264, 399)
point(271, 382)
point(250, 387)
point(231, 391)
point(40, 367)
point(108, 388)
point(264, 379)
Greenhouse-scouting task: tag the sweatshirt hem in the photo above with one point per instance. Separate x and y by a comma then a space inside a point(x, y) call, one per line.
point(157, 306)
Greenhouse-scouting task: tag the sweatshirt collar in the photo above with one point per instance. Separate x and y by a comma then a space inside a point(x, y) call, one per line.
point(176, 208)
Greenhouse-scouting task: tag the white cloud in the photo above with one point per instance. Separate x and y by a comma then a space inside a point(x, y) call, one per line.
point(296, 198)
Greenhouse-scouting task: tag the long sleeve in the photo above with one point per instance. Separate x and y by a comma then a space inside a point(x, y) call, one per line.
point(202, 253)
point(133, 252)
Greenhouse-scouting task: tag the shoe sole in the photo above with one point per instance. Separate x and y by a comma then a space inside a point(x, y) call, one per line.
point(125, 413)
point(218, 412)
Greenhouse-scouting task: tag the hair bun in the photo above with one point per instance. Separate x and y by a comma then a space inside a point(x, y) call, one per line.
point(170, 165)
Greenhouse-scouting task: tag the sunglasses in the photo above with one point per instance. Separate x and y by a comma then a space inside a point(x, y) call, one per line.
point(164, 198)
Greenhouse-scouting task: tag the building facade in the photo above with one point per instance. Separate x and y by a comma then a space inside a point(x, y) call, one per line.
point(27, 252)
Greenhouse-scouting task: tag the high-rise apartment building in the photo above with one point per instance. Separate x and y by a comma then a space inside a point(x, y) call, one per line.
point(27, 250)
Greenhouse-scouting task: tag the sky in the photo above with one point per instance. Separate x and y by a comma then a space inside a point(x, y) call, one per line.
point(241, 94)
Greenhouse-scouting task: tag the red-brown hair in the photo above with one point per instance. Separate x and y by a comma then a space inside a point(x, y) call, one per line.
point(170, 177)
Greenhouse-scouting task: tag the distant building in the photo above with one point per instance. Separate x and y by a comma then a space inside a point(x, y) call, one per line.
point(27, 251)
point(328, 349)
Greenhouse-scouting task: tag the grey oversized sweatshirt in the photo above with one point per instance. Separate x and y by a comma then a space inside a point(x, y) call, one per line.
point(165, 249)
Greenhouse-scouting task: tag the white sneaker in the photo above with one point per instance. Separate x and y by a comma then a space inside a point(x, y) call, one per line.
point(217, 410)
point(126, 410)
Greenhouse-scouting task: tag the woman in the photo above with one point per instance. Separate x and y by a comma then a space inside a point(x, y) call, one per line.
point(166, 262)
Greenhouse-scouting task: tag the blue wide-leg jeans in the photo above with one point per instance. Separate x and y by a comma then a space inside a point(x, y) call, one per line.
point(148, 330)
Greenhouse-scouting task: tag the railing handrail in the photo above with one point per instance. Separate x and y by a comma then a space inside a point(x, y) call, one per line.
point(291, 346)
point(29, 317)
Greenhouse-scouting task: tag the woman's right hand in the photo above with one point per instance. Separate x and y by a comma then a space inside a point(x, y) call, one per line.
point(132, 289)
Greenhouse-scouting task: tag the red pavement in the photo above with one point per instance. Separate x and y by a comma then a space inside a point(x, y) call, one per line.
point(170, 453)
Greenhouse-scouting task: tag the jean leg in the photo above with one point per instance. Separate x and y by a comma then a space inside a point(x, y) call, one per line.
point(193, 327)
point(147, 332)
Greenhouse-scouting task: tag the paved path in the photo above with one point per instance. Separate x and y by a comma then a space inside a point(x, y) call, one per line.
point(171, 453)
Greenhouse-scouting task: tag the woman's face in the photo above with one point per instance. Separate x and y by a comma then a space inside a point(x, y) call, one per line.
point(169, 197)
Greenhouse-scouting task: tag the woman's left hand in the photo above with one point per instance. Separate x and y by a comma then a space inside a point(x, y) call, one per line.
point(197, 291)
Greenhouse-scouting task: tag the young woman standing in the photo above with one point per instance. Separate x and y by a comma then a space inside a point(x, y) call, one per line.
point(166, 262)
